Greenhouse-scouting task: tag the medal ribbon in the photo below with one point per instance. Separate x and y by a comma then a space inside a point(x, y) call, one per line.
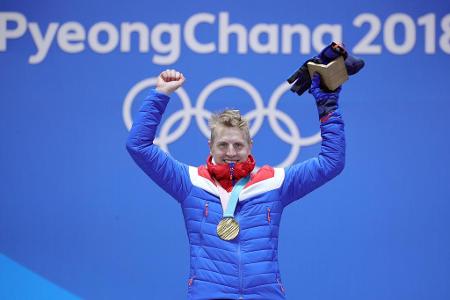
point(235, 196)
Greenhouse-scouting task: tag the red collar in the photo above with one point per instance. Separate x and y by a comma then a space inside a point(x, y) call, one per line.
point(227, 176)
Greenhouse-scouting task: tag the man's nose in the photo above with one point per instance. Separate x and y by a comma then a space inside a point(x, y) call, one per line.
point(231, 151)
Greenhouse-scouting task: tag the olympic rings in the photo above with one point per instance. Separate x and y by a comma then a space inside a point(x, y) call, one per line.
point(187, 112)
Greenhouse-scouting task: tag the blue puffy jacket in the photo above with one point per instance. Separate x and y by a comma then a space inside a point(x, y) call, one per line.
point(246, 267)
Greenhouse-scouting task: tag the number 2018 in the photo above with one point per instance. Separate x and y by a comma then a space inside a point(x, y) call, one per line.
point(367, 45)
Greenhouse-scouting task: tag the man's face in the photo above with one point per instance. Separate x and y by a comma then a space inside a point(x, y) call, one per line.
point(229, 145)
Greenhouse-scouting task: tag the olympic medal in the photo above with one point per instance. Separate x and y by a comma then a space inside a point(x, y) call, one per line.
point(228, 229)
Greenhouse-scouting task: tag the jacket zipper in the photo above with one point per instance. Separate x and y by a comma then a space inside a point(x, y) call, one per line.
point(240, 258)
point(240, 270)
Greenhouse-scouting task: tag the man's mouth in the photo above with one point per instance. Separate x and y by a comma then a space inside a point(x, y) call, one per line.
point(228, 161)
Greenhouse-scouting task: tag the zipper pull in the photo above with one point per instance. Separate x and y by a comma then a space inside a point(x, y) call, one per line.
point(268, 215)
point(190, 281)
point(206, 209)
point(231, 165)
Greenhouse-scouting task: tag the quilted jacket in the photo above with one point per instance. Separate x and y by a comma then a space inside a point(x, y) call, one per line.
point(246, 267)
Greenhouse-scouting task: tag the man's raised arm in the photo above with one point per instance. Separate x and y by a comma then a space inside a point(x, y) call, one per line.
point(306, 176)
point(164, 170)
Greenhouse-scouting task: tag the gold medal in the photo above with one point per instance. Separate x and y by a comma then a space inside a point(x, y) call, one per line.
point(228, 228)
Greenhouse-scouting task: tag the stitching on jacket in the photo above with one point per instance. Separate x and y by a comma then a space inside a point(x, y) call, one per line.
point(220, 273)
point(260, 261)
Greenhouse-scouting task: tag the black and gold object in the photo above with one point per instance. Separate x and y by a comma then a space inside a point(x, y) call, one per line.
point(228, 229)
point(333, 72)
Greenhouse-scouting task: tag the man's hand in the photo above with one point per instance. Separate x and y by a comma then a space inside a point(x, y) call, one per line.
point(327, 101)
point(320, 94)
point(169, 81)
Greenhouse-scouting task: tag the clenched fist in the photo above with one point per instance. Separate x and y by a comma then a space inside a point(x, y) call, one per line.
point(168, 81)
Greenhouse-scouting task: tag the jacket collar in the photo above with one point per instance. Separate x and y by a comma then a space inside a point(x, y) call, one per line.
point(228, 174)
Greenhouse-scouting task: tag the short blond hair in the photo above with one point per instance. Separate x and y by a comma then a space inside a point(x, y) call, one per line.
point(229, 118)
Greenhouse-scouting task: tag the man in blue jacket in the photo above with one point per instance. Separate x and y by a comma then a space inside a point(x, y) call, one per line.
point(232, 214)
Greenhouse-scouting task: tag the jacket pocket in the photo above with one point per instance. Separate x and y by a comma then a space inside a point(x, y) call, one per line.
point(268, 217)
point(204, 217)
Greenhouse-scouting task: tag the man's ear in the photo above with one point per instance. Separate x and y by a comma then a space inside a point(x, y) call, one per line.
point(209, 145)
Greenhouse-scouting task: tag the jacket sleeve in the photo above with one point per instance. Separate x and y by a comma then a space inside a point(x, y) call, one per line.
point(304, 177)
point(165, 171)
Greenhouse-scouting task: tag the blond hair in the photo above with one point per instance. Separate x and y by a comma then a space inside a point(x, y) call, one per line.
point(229, 118)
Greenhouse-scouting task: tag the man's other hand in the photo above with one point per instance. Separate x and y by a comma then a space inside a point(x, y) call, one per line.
point(169, 81)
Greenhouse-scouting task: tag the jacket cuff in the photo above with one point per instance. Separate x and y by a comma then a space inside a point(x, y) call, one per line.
point(154, 93)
